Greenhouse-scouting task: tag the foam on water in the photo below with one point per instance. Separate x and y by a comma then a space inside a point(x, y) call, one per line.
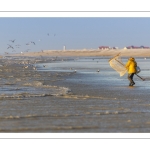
point(19, 82)
point(32, 89)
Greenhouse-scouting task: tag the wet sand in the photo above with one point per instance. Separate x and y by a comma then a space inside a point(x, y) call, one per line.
point(71, 102)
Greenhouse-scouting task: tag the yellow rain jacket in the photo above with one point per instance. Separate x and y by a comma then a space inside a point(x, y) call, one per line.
point(131, 65)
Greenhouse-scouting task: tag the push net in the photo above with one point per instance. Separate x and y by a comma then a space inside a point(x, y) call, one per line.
point(116, 64)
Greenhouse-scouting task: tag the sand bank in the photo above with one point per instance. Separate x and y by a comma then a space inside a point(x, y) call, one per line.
point(89, 52)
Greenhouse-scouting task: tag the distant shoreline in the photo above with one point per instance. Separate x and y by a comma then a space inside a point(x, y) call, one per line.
point(89, 52)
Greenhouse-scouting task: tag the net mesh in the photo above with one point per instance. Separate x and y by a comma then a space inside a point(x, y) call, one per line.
point(116, 64)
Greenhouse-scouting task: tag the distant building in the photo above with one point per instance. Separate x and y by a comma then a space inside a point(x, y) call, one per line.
point(143, 47)
point(136, 47)
point(114, 47)
point(104, 47)
point(64, 48)
point(132, 47)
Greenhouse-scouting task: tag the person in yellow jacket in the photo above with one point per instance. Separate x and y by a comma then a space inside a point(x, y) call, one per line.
point(131, 67)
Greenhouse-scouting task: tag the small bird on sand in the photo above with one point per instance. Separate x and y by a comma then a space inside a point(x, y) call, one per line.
point(34, 68)
point(25, 67)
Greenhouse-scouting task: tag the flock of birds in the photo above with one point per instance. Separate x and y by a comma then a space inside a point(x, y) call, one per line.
point(14, 47)
point(32, 63)
point(26, 64)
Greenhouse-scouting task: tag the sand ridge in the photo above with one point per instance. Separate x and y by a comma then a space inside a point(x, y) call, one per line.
point(89, 52)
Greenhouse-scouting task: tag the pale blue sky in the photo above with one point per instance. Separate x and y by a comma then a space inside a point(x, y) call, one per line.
point(75, 33)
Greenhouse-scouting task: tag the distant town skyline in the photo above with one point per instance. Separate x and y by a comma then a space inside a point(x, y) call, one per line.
point(53, 33)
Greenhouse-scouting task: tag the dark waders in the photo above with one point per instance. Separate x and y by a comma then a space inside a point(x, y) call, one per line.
point(130, 78)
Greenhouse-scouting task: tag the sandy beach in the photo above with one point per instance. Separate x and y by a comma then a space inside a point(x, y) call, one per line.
point(90, 52)
point(63, 92)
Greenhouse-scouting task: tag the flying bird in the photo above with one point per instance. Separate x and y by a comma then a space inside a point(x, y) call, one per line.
point(17, 46)
point(9, 46)
point(12, 41)
point(33, 42)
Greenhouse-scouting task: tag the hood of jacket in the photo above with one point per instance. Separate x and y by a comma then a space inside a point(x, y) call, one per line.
point(132, 59)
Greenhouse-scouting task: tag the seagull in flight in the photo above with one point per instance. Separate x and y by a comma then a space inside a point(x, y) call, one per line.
point(18, 46)
point(12, 41)
point(27, 44)
point(9, 46)
point(33, 42)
